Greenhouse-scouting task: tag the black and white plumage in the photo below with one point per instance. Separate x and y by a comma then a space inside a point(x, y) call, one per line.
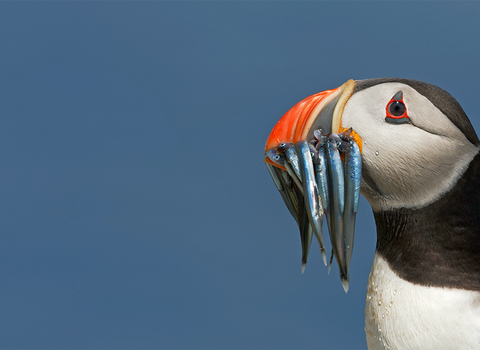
point(422, 179)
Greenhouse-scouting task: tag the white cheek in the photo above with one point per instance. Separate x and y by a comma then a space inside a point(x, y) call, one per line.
point(410, 166)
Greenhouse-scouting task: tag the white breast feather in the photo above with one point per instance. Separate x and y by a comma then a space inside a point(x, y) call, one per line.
point(402, 315)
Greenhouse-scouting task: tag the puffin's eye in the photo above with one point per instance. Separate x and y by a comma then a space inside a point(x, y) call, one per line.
point(396, 110)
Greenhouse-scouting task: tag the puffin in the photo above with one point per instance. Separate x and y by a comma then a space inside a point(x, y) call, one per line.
point(420, 174)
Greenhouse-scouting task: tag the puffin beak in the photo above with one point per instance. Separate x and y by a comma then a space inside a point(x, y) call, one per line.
point(307, 155)
point(320, 111)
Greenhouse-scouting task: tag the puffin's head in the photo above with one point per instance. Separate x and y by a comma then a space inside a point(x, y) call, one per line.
point(414, 137)
point(415, 142)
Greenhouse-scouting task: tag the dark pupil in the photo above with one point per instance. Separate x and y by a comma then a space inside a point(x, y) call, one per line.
point(396, 108)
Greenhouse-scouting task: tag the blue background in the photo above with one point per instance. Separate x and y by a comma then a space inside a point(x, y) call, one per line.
point(136, 211)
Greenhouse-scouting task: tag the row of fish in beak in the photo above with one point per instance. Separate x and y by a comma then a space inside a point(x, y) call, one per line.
point(322, 177)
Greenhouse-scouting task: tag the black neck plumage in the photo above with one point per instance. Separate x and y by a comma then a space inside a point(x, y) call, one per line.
point(437, 245)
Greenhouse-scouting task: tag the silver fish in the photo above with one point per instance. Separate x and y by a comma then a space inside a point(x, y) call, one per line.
point(285, 190)
point(292, 192)
point(305, 230)
point(313, 204)
point(292, 166)
point(317, 182)
point(337, 203)
point(283, 177)
point(321, 176)
point(353, 179)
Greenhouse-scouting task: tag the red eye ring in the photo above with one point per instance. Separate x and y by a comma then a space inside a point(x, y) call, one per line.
point(396, 111)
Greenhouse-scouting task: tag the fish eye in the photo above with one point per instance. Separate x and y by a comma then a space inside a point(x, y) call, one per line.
point(396, 108)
